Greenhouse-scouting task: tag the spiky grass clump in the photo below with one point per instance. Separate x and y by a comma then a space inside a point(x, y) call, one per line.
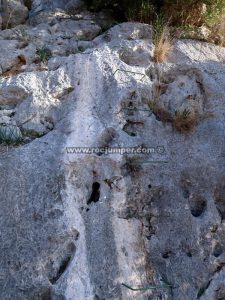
point(10, 134)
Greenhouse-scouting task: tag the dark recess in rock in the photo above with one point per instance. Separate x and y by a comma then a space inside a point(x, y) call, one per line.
point(220, 198)
point(186, 194)
point(95, 195)
point(218, 250)
point(166, 254)
point(64, 263)
point(198, 205)
point(28, 4)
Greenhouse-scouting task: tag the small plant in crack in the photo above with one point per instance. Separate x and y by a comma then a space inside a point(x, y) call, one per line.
point(156, 92)
point(201, 292)
point(186, 113)
point(44, 54)
point(203, 289)
point(10, 134)
point(81, 49)
point(185, 120)
point(160, 113)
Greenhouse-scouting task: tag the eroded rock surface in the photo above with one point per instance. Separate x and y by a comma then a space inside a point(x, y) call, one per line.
point(13, 13)
point(80, 226)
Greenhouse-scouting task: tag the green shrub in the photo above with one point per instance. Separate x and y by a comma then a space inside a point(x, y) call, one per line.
point(215, 11)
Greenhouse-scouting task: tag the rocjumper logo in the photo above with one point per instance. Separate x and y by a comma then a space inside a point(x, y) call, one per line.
point(116, 150)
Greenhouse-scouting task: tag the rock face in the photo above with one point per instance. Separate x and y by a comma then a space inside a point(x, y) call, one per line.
point(13, 13)
point(92, 225)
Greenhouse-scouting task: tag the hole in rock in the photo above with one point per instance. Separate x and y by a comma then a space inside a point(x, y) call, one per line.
point(197, 206)
point(186, 194)
point(188, 253)
point(218, 250)
point(64, 263)
point(166, 254)
point(131, 127)
point(95, 195)
point(129, 130)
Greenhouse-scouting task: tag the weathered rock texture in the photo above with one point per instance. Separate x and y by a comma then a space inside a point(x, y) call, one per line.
point(12, 13)
point(156, 218)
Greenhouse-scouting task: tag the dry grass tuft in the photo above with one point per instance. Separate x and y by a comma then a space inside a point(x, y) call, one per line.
point(162, 39)
point(183, 13)
point(163, 47)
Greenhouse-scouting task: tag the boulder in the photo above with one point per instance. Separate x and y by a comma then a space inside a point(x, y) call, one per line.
point(13, 13)
point(80, 30)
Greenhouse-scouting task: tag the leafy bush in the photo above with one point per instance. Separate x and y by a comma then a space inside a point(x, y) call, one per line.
point(215, 11)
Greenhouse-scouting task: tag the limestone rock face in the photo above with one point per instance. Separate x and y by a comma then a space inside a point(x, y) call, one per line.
point(91, 225)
